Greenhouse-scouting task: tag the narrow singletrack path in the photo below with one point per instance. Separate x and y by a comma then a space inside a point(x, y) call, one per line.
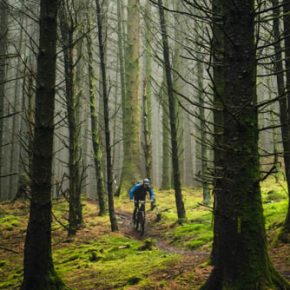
point(179, 275)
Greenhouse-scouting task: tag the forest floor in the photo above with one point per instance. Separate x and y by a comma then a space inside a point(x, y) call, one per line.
point(168, 256)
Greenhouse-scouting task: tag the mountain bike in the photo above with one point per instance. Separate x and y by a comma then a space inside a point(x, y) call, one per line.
point(139, 216)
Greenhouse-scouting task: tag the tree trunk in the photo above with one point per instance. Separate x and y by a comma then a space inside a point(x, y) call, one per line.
point(241, 260)
point(165, 181)
point(38, 265)
point(122, 67)
point(203, 135)
point(95, 131)
point(172, 117)
point(131, 111)
point(285, 116)
point(147, 96)
point(218, 91)
point(113, 220)
point(14, 158)
point(3, 51)
point(178, 65)
point(75, 207)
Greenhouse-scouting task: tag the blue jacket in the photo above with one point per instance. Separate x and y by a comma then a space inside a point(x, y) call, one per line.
point(138, 192)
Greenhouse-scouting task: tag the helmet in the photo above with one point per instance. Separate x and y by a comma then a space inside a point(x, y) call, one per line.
point(146, 181)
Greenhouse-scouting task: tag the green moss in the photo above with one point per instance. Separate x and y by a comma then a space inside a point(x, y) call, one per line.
point(13, 280)
point(109, 255)
point(202, 239)
point(274, 195)
point(3, 263)
point(274, 213)
point(193, 235)
point(9, 222)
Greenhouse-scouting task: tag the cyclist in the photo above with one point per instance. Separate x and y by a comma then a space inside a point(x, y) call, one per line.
point(138, 193)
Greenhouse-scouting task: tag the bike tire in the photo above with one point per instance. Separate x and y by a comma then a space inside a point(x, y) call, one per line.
point(141, 220)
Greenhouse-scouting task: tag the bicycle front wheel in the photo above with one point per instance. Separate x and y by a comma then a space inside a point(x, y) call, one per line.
point(141, 221)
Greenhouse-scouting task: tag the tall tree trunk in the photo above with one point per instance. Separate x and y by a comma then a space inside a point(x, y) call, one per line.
point(241, 261)
point(95, 131)
point(147, 123)
point(278, 69)
point(38, 265)
point(285, 233)
point(131, 110)
point(67, 34)
point(166, 168)
point(203, 135)
point(147, 131)
point(172, 117)
point(122, 68)
point(14, 158)
point(113, 220)
point(3, 51)
point(178, 65)
point(218, 91)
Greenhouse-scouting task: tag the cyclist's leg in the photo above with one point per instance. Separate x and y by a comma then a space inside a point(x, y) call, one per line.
point(142, 218)
point(136, 206)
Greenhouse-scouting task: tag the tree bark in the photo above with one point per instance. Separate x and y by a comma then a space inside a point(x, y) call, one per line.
point(95, 132)
point(203, 135)
point(172, 117)
point(38, 265)
point(178, 66)
point(165, 180)
point(122, 68)
point(67, 33)
point(14, 158)
point(241, 260)
point(113, 220)
point(285, 233)
point(131, 111)
point(3, 51)
point(218, 91)
point(147, 110)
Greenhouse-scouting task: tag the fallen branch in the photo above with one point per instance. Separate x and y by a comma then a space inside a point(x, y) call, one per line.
point(9, 250)
point(59, 222)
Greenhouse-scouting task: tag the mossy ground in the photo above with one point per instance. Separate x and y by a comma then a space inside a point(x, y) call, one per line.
point(98, 259)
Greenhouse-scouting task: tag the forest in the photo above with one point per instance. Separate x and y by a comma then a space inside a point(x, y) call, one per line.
point(145, 144)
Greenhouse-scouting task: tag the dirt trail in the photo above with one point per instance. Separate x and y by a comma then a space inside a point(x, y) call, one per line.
point(126, 226)
point(191, 259)
point(180, 275)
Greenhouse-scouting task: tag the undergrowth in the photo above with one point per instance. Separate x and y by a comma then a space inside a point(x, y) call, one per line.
point(99, 259)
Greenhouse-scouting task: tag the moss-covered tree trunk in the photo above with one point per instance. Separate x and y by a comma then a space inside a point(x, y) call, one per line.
point(3, 51)
point(105, 96)
point(95, 130)
point(241, 260)
point(172, 117)
point(203, 135)
point(38, 265)
point(122, 68)
point(131, 106)
point(166, 168)
point(147, 123)
point(177, 70)
point(67, 28)
point(218, 92)
point(15, 148)
point(285, 234)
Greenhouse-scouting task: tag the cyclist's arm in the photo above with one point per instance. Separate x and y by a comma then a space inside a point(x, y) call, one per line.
point(133, 189)
point(151, 193)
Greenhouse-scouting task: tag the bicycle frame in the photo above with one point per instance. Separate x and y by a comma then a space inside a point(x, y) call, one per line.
point(139, 216)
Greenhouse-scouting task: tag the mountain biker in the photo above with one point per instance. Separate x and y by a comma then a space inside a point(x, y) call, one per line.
point(138, 193)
